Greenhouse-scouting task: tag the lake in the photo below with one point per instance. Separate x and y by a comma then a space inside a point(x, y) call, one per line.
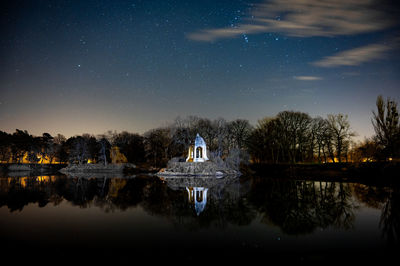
point(247, 218)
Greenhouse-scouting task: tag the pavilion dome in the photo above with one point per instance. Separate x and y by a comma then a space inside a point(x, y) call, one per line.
point(199, 141)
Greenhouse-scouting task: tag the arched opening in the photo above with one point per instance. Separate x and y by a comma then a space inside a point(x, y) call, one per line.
point(199, 196)
point(199, 152)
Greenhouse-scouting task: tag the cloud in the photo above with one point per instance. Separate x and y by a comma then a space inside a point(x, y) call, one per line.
point(307, 78)
point(355, 57)
point(304, 18)
point(224, 33)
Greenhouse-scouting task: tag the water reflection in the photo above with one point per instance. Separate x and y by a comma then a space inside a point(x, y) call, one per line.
point(390, 218)
point(295, 207)
point(300, 207)
point(200, 188)
point(387, 200)
point(197, 196)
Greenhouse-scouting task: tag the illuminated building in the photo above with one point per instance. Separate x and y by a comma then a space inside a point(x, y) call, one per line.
point(198, 151)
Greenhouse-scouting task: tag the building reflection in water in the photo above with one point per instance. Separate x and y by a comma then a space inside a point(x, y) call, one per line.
point(198, 197)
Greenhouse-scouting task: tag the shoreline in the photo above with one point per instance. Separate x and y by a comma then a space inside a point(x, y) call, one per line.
point(379, 173)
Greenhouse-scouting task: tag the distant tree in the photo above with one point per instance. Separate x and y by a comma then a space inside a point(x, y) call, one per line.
point(131, 145)
point(59, 139)
point(32, 155)
point(104, 151)
point(233, 159)
point(63, 151)
point(46, 147)
point(215, 134)
point(387, 127)
point(58, 150)
point(5, 146)
point(92, 146)
point(180, 140)
point(222, 141)
point(328, 143)
point(239, 131)
point(294, 131)
point(21, 143)
point(207, 131)
point(319, 127)
point(263, 142)
point(296, 137)
point(157, 142)
point(339, 127)
point(79, 151)
point(367, 150)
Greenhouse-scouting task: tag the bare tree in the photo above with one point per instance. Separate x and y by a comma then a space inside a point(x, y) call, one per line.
point(264, 142)
point(294, 133)
point(207, 130)
point(59, 139)
point(47, 147)
point(157, 142)
point(386, 125)
point(221, 135)
point(131, 145)
point(323, 139)
point(104, 148)
point(239, 130)
point(341, 132)
point(79, 151)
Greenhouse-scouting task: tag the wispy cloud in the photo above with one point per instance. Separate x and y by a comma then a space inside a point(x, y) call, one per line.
point(359, 55)
point(307, 78)
point(304, 18)
point(210, 35)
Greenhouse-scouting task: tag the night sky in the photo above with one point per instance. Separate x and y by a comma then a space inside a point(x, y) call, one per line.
point(76, 67)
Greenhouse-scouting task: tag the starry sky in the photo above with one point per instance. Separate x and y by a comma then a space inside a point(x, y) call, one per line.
point(76, 67)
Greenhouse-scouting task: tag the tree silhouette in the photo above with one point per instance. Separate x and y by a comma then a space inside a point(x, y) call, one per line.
point(341, 133)
point(387, 127)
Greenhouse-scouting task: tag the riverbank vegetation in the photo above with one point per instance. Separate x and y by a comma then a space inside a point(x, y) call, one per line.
point(290, 137)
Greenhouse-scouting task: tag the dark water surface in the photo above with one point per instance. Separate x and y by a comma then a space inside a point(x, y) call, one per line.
point(96, 218)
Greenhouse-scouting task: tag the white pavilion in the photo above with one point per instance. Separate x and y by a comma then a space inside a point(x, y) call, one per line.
point(198, 151)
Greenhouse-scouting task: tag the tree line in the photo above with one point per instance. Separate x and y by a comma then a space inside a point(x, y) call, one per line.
point(288, 137)
point(296, 137)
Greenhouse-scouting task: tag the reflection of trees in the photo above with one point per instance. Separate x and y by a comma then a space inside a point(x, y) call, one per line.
point(371, 196)
point(390, 218)
point(150, 193)
point(387, 200)
point(18, 192)
point(299, 207)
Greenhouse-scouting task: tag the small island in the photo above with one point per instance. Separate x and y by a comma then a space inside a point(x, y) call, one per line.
point(197, 163)
point(96, 168)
